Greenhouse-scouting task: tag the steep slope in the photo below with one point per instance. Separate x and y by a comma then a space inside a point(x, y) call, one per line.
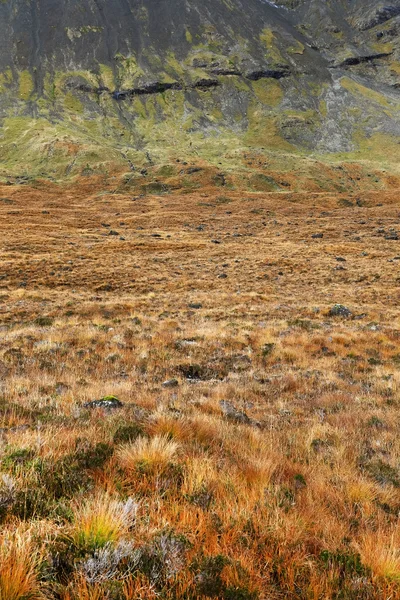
point(95, 82)
point(352, 34)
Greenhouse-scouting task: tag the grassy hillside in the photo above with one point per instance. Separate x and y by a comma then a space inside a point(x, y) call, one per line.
point(115, 85)
point(199, 392)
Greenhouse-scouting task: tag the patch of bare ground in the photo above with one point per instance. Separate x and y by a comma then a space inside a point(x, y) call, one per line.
point(254, 451)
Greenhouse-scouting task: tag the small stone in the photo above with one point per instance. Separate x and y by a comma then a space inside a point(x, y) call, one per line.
point(222, 276)
point(195, 305)
point(317, 236)
point(107, 403)
point(340, 259)
point(215, 241)
point(284, 412)
point(61, 388)
point(112, 232)
point(340, 311)
point(299, 481)
point(231, 412)
point(360, 316)
point(170, 383)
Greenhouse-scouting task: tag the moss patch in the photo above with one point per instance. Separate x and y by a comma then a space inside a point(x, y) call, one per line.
point(269, 40)
point(5, 79)
point(26, 86)
point(72, 103)
point(268, 91)
point(357, 89)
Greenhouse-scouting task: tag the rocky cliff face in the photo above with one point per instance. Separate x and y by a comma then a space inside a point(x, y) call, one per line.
point(148, 80)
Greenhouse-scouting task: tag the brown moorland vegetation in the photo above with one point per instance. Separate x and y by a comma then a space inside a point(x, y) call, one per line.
point(245, 444)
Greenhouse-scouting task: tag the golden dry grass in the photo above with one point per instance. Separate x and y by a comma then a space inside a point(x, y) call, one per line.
point(154, 453)
point(294, 494)
point(101, 520)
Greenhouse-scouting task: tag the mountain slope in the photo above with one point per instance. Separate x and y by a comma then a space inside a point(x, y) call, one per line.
point(110, 80)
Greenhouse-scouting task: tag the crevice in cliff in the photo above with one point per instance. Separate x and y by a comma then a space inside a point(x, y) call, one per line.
point(159, 88)
point(268, 74)
point(221, 71)
point(150, 88)
point(358, 60)
point(203, 84)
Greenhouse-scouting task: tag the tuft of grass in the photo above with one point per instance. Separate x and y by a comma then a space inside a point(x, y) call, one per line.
point(44, 321)
point(154, 453)
point(381, 554)
point(83, 590)
point(19, 567)
point(101, 520)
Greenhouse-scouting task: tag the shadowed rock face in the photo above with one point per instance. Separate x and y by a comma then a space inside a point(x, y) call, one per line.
point(47, 35)
point(316, 75)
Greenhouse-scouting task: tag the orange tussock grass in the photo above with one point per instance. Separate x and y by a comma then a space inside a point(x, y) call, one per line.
point(19, 562)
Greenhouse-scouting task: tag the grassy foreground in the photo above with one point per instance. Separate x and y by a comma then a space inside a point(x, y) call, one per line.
point(245, 446)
